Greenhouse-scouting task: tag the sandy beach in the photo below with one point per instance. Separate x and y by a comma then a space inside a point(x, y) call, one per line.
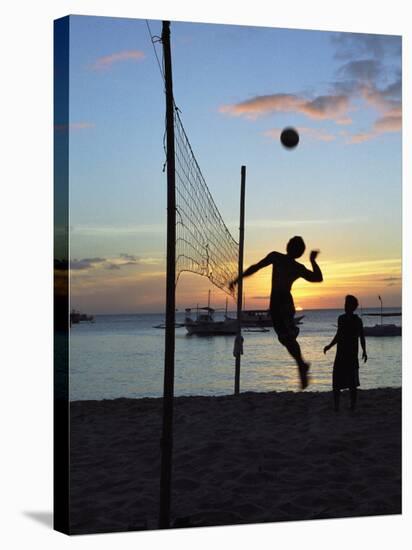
point(260, 457)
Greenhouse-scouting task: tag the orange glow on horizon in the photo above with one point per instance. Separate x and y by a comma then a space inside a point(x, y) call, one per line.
point(130, 290)
point(365, 279)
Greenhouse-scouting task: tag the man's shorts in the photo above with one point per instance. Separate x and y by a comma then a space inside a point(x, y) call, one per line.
point(282, 311)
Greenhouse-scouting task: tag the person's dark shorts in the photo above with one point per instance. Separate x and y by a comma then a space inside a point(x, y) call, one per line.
point(282, 311)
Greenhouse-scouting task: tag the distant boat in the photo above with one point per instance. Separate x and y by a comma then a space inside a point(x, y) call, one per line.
point(386, 314)
point(76, 317)
point(382, 329)
point(205, 325)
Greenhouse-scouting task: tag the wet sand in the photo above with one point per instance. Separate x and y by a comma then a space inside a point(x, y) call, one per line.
point(259, 457)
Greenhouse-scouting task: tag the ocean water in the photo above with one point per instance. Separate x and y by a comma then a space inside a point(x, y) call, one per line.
point(122, 356)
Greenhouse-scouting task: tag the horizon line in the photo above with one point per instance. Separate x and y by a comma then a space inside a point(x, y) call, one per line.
point(250, 309)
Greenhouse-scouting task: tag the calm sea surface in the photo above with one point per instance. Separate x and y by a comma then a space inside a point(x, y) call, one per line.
point(122, 356)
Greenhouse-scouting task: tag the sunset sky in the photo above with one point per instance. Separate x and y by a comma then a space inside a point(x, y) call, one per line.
point(236, 88)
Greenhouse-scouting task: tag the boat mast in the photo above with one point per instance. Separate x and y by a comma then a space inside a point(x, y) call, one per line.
point(380, 299)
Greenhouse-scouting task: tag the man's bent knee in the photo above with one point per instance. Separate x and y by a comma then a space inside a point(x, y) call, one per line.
point(287, 340)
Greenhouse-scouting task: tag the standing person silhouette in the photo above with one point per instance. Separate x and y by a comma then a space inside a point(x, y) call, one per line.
point(346, 365)
point(285, 271)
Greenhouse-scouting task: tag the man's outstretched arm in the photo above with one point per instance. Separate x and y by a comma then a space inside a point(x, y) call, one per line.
point(254, 268)
point(314, 276)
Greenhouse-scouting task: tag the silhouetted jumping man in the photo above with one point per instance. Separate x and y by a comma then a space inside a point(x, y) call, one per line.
point(286, 270)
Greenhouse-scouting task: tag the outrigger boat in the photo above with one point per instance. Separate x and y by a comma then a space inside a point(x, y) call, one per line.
point(382, 329)
point(255, 320)
point(205, 324)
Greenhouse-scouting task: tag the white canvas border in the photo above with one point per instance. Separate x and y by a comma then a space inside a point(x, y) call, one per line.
point(26, 237)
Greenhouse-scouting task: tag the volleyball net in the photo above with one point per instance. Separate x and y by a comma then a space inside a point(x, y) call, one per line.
point(204, 244)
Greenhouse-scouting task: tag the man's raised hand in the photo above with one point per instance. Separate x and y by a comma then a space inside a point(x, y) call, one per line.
point(314, 255)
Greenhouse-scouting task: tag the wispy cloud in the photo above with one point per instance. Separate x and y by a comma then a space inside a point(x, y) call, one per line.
point(359, 137)
point(129, 257)
point(323, 107)
point(86, 263)
point(364, 69)
point(386, 101)
point(387, 123)
point(369, 76)
point(383, 100)
point(112, 263)
point(105, 62)
point(372, 73)
point(356, 45)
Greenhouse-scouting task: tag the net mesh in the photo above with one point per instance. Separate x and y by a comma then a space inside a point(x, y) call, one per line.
point(204, 245)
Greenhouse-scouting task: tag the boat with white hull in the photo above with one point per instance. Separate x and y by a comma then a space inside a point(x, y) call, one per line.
point(205, 324)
